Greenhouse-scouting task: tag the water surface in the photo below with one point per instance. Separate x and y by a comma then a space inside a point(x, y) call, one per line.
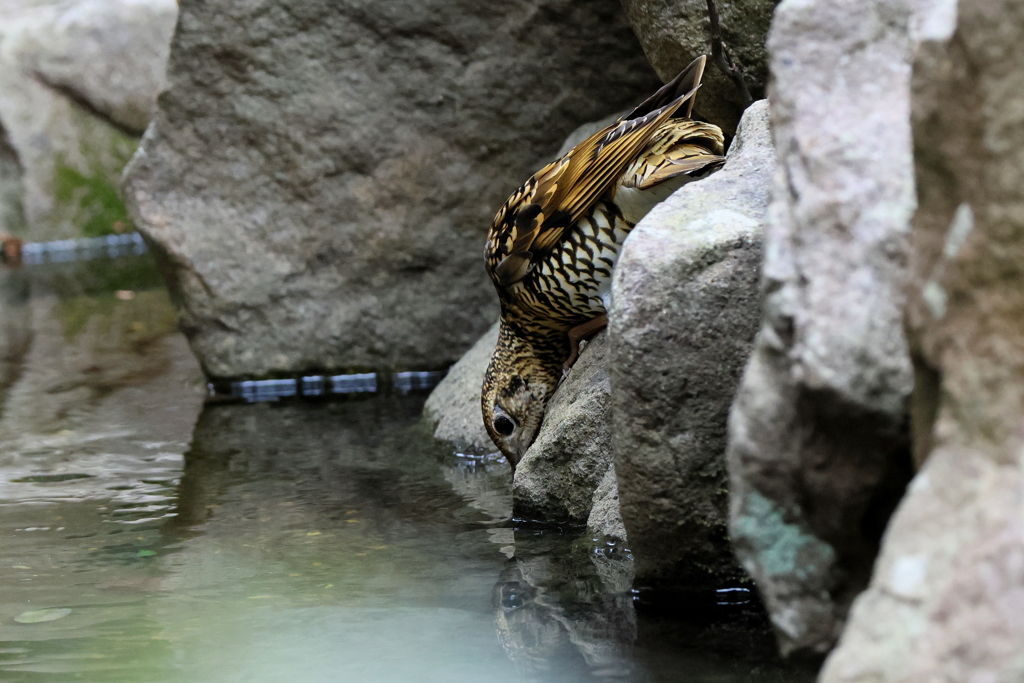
point(146, 536)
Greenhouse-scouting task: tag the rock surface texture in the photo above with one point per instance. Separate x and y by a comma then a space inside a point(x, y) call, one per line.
point(78, 85)
point(685, 308)
point(946, 596)
point(675, 33)
point(322, 174)
point(557, 478)
point(819, 447)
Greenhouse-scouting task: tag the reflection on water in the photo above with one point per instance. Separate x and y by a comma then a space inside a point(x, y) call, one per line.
point(299, 541)
point(15, 327)
point(555, 609)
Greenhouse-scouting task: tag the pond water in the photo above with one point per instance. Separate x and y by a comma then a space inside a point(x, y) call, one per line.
point(148, 536)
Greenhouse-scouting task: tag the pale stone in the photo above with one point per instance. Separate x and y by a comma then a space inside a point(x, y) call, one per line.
point(78, 84)
point(685, 307)
point(557, 478)
point(819, 427)
point(947, 595)
point(605, 519)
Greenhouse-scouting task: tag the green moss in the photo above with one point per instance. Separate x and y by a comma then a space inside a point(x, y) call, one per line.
point(94, 198)
point(85, 184)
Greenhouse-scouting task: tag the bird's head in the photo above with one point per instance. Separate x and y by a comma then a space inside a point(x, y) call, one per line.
point(516, 389)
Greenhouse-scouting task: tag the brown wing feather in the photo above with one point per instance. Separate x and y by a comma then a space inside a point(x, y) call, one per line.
point(671, 169)
point(535, 217)
point(609, 154)
point(688, 79)
point(680, 147)
point(563, 192)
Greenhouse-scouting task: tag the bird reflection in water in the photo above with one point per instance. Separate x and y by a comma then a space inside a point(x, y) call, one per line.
point(565, 607)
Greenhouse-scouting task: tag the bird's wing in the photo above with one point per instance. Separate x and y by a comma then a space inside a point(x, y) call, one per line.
point(536, 216)
point(680, 147)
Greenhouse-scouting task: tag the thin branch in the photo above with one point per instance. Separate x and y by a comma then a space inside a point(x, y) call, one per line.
point(722, 58)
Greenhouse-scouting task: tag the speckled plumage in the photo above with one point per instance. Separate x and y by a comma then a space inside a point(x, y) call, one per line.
point(554, 243)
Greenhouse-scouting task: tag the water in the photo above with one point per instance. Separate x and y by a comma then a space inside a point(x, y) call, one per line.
point(147, 536)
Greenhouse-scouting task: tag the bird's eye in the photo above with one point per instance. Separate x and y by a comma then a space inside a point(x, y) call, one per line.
point(503, 425)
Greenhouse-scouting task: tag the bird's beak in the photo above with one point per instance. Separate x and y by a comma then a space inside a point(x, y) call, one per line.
point(517, 455)
point(521, 449)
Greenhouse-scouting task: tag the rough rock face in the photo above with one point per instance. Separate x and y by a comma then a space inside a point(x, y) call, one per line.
point(605, 519)
point(675, 33)
point(78, 84)
point(946, 596)
point(684, 313)
point(559, 474)
point(322, 174)
point(819, 449)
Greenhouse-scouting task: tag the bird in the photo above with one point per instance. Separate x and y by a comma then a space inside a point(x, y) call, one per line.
point(553, 245)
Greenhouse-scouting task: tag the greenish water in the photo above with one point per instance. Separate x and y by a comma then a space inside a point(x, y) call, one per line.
point(147, 537)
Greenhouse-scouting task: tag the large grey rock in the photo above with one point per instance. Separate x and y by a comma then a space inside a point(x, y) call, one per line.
point(674, 32)
point(322, 174)
point(557, 478)
point(819, 449)
point(946, 597)
point(685, 308)
point(605, 518)
point(78, 84)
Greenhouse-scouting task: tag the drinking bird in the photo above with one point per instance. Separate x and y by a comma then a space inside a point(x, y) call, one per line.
point(554, 243)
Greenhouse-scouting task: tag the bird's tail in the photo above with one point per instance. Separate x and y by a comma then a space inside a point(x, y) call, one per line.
point(687, 81)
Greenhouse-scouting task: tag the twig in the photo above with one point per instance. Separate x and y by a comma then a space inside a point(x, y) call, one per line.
point(721, 57)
